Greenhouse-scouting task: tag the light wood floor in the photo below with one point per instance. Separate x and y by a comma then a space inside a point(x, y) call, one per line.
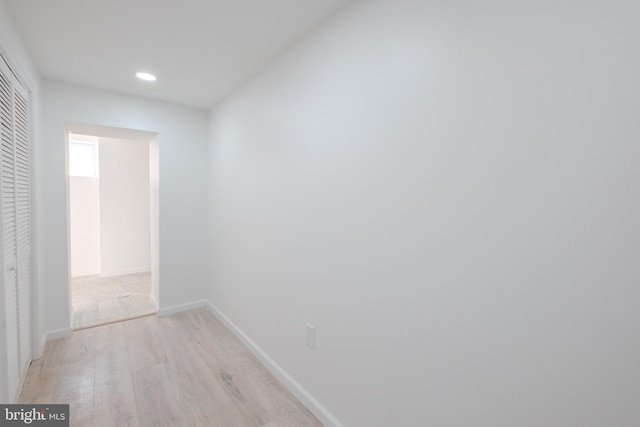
point(97, 301)
point(187, 369)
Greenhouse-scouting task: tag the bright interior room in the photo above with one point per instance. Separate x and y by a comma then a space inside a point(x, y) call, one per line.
point(110, 229)
point(353, 213)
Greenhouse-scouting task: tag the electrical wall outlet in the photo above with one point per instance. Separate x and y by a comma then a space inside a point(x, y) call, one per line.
point(310, 335)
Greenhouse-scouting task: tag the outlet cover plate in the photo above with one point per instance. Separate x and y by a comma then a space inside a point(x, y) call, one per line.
point(310, 335)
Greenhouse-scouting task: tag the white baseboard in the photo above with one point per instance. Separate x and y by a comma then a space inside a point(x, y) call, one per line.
point(58, 333)
point(38, 347)
point(166, 311)
point(296, 389)
point(155, 302)
point(75, 274)
point(50, 336)
point(123, 272)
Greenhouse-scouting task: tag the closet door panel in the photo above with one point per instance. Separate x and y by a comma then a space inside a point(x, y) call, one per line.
point(23, 221)
point(8, 199)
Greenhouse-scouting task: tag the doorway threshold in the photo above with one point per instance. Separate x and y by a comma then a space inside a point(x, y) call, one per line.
point(115, 321)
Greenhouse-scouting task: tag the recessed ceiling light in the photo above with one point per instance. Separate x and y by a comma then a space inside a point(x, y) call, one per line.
point(146, 76)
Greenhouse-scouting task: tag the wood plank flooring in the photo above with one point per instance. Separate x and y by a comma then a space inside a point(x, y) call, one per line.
point(187, 369)
point(97, 301)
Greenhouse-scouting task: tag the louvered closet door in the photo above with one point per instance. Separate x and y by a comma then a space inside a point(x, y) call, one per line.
point(15, 186)
point(23, 220)
point(8, 188)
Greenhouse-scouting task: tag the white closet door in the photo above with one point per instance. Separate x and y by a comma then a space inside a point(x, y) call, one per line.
point(8, 198)
point(15, 198)
point(23, 220)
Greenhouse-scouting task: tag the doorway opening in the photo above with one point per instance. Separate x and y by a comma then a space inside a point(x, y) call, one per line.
point(112, 223)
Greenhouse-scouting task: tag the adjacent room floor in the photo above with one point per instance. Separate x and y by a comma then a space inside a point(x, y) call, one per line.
point(187, 369)
point(97, 301)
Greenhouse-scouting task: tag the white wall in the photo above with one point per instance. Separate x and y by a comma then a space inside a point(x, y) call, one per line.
point(449, 192)
point(15, 52)
point(125, 228)
point(84, 218)
point(182, 145)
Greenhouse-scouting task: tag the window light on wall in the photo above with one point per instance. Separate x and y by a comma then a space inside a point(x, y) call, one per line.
point(83, 159)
